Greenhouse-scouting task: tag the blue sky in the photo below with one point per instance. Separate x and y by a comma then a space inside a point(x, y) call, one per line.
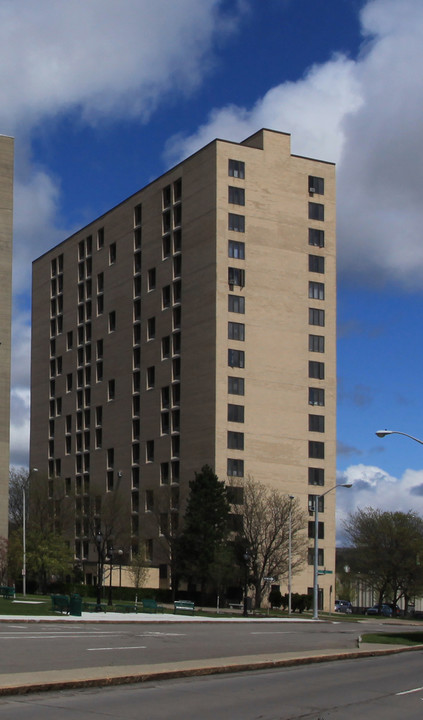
point(103, 96)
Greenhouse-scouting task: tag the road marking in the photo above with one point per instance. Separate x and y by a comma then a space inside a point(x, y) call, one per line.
point(286, 632)
point(49, 636)
point(134, 647)
point(407, 692)
point(161, 634)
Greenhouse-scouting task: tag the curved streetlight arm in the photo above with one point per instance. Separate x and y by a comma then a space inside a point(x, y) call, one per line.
point(383, 433)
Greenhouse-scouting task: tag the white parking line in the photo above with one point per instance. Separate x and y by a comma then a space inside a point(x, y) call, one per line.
point(134, 647)
point(407, 692)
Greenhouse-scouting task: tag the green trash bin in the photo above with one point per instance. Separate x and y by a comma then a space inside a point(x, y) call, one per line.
point(75, 605)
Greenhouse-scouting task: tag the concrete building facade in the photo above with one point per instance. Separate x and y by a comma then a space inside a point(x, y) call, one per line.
point(6, 230)
point(194, 323)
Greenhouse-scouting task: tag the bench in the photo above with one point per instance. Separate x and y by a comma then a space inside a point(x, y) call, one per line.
point(60, 603)
point(7, 592)
point(235, 605)
point(94, 607)
point(150, 605)
point(183, 606)
point(120, 607)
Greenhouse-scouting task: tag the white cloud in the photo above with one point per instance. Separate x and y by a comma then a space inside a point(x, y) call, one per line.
point(374, 487)
point(364, 114)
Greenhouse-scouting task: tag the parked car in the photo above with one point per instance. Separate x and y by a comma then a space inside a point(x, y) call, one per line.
point(383, 609)
point(343, 606)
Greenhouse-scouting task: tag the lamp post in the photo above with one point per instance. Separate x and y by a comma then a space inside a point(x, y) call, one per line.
point(100, 551)
point(110, 553)
point(291, 497)
point(120, 554)
point(383, 433)
point(33, 470)
point(246, 561)
point(316, 547)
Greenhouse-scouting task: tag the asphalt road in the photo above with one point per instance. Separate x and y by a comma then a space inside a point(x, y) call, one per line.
point(46, 646)
point(384, 688)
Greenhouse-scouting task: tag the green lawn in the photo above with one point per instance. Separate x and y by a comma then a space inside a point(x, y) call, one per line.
point(406, 638)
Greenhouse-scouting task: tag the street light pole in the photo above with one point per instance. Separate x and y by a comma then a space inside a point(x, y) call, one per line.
point(111, 553)
point(24, 542)
point(383, 433)
point(316, 547)
point(291, 497)
point(100, 551)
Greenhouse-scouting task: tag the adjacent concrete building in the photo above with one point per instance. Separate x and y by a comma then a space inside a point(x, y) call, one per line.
point(6, 224)
point(193, 323)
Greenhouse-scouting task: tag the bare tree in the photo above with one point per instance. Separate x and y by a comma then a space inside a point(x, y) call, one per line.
point(265, 535)
point(138, 570)
point(18, 484)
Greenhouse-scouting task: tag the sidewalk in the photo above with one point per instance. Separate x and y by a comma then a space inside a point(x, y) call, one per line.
point(21, 683)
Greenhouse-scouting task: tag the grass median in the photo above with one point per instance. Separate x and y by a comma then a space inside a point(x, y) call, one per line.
point(399, 638)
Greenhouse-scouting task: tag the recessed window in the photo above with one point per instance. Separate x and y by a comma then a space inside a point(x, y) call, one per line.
point(151, 279)
point(320, 556)
point(69, 382)
point(137, 215)
point(111, 389)
point(236, 195)
point(112, 321)
point(316, 237)
point(316, 449)
point(151, 376)
point(316, 396)
point(165, 347)
point(316, 185)
point(151, 328)
point(166, 296)
point(236, 331)
point(316, 476)
point(236, 168)
point(316, 343)
point(236, 358)
point(236, 276)
point(165, 423)
point(235, 440)
point(236, 385)
point(316, 290)
point(236, 303)
point(316, 317)
point(112, 253)
point(235, 467)
point(177, 266)
point(236, 249)
point(316, 370)
point(164, 473)
point(312, 501)
point(320, 529)
point(316, 211)
point(166, 196)
point(149, 500)
point(177, 240)
point(100, 238)
point(166, 222)
point(166, 246)
point(316, 423)
point(165, 397)
point(137, 242)
point(69, 340)
point(177, 190)
point(236, 413)
point(149, 451)
point(316, 263)
point(236, 223)
point(177, 215)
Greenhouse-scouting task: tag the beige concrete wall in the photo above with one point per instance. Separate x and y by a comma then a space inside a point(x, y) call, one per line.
point(6, 223)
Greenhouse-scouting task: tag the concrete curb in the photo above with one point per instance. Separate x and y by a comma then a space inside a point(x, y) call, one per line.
point(24, 683)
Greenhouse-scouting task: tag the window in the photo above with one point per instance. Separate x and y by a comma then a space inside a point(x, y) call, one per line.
point(176, 343)
point(100, 282)
point(137, 215)
point(316, 185)
point(100, 238)
point(316, 449)
point(235, 467)
point(112, 321)
point(175, 442)
point(316, 396)
point(176, 394)
point(151, 328)
point(236, 249)
point(151, 279)
point(166, 246)
point(236, 276)
point(165, 423)
point(68, 382)
point(177, 266)
point(236, 304)
point(236, 223)
point(149, 500)
point(236, 358)
point(316, 211)
point(177, 216)
point(235, 386)
point(316, 290)
point(236, 168)
point(177, 289)
point(235, 440)
point(316, 370)
point(316, 476)
point(151, 375)
point(316, 423)
point(165, 347)
point(316, 317)
point(149, 451)
point(176, 318)
point(320, 556)
point(316, 263)
point(111, 390)
point(177, 240)
point(316, 237)
point(166, 296)
point(177, 190)
point(236, 413)
point(236, 331)
point(166, 196)
point(165, 395)
point(236, 195)
point(166, 222)
point(164, 473)
point(316, 343)
point(69, 340)
point(100, 304)
point(112, 253)
point(320, 529)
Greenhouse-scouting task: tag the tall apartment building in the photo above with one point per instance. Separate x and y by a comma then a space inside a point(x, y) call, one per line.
point(6, 223)
point(194, 323)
